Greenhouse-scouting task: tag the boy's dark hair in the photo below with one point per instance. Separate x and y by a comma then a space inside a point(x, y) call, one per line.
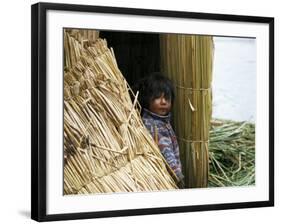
point(152, 86)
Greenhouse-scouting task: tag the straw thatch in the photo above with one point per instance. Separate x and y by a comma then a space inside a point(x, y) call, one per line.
point(106, 145)
point(187, 60)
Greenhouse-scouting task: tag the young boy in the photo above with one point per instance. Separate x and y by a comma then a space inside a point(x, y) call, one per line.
point(156, 96)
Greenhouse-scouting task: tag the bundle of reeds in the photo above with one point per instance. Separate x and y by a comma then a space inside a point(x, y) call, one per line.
point(83, 35)
point(187, 60)
point(232, 154)
point(74, 42)
point(106, 146)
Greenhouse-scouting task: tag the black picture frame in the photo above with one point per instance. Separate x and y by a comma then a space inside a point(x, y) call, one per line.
point(39, 112)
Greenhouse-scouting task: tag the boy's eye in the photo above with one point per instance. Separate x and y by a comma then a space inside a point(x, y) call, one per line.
point(158, 95)
point(167, 99)
point(166, 96)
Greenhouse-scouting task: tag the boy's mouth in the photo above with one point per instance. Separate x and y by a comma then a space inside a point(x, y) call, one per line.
point(163, 111)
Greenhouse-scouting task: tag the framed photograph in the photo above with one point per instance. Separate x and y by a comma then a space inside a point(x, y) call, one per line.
point(140, 111)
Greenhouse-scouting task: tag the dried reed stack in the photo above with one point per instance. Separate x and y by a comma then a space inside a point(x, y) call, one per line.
point(187, 60)
point(84, 37)
point(106, 145)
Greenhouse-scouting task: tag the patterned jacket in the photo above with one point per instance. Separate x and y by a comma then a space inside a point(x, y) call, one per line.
point(161, 130)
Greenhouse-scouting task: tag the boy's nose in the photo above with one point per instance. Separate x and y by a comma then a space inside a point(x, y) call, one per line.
point(163, 100)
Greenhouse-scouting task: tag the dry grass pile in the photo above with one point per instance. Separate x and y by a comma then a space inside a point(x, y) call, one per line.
point(232, 154)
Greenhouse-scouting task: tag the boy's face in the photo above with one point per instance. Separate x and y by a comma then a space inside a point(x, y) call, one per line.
point(160, 105)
